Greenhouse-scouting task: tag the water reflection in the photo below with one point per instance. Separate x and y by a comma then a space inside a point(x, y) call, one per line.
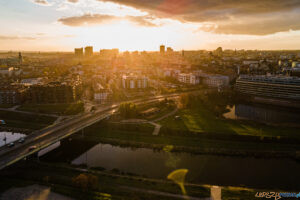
point(269, 114)
point(205, 169)
point(8, 137)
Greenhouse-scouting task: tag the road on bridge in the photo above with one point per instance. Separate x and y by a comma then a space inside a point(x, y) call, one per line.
point(50, 135)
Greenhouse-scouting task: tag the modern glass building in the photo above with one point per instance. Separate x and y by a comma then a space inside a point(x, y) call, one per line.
point(269, 86)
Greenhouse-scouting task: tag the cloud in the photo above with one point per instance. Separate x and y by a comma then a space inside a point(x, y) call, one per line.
point(41, 2)
point(258, 26)
point(86, 20)
point(96, 19)
point(73, 1)
point(141, 20)
point(227, 15)
point(6, 37)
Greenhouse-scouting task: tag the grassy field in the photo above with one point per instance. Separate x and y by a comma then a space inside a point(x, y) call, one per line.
point(26, 121)
point(61, 109)
point(202, 120)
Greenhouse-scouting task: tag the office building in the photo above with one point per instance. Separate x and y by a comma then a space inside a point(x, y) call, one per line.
point(78, 52)
point(281, 87)
point(88, 51)
point(162, 49)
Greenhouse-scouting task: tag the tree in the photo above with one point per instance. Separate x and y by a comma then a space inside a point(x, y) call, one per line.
point(128, 110)
point(81, 181)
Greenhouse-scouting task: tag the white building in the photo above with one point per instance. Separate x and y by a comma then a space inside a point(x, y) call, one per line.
point(188, 78)
point(101, 95)
point(216, 80)
point(250, 62)
point(9, 71)
point(31, 81)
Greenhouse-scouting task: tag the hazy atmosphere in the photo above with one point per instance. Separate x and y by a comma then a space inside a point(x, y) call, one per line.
point(59, 25)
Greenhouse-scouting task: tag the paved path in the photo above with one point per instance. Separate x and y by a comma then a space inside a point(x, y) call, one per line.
point(156, 128)
point(166, 115)
point(153, 122)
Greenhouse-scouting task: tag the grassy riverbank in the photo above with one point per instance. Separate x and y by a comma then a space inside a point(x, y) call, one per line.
point(111, 184)
point(205, 143)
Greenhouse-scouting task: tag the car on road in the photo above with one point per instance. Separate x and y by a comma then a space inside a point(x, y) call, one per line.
point(32, 148)
point(21, 140)
point(11, 144)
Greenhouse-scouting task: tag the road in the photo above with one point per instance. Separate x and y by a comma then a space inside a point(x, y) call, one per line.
point(50, 135)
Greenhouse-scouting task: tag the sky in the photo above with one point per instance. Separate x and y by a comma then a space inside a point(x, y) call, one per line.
point(62, 25)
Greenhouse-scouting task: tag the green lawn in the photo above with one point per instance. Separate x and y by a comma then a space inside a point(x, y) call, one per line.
point(202, 120)
point(62, 109)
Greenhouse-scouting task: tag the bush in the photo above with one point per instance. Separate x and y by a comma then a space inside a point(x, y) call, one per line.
point(86, 181)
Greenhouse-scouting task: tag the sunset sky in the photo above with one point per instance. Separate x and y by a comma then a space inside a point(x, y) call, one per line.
point(61, 25)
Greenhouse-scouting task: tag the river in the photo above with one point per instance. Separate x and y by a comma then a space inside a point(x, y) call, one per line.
point(203, 169)
point(8, 137)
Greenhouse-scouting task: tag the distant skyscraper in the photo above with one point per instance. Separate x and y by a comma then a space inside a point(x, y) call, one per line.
point(88, 51)
point(20, 58)
point(78, 52)
point(162, 49)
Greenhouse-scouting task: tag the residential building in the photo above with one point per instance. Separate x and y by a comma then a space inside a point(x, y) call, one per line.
point(54, 92)
point(189, 78)
point(12, 94)
point(101, 95)
point(215, 80)
point(134, 82)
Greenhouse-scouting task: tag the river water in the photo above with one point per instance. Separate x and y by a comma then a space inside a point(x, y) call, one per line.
point(203, 169)
point(8, 137)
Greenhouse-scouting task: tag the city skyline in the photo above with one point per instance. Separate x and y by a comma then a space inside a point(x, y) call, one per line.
point(61, 25)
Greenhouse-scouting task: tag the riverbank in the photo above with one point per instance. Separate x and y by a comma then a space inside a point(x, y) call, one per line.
point(140, 136)
point(112, 184)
